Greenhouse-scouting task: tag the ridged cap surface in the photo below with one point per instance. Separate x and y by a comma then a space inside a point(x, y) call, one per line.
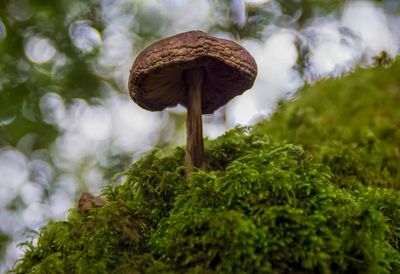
point(156, 78)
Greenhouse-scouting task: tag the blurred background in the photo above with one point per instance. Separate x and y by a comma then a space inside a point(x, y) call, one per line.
point(67, 124)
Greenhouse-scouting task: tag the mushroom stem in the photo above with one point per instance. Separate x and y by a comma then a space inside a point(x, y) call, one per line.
point(194, 127)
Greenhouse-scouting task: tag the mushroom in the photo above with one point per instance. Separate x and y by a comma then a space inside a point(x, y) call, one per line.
point(88, 201)
point(196, 70)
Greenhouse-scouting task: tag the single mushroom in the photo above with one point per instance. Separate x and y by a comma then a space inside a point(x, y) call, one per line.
point(88, 201)
point(196, 70)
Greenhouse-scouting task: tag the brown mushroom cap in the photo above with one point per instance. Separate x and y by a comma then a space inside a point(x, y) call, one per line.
point(156, 79)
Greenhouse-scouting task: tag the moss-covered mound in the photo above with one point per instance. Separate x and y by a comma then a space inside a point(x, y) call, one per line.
point(313, 190)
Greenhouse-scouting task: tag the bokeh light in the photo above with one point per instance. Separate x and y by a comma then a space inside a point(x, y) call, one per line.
point(39, 49)
point(334, 49)
point(20, 10)
point(371, 23)
point(258, 2)
point(3, 30)
point(13, 168)
point(187, 14)
point(84, 36)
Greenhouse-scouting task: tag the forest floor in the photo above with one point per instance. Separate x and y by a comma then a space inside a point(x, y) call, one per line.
point(313, 189)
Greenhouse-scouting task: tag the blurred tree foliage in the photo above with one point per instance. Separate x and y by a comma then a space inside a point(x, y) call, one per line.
point(71, 73)
point(24, 82)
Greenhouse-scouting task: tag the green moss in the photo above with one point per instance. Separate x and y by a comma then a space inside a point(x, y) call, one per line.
point(315, 189)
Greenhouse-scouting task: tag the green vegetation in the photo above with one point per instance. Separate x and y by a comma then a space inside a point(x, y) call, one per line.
point(314, 189)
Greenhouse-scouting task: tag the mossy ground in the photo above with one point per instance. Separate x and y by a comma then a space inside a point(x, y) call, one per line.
point(315, 189)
